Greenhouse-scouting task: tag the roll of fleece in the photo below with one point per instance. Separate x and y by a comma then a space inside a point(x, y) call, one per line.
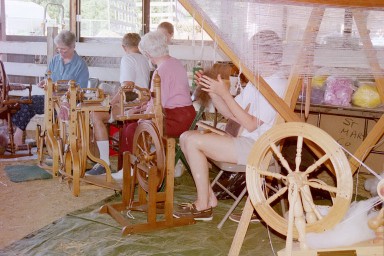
point(352, 229)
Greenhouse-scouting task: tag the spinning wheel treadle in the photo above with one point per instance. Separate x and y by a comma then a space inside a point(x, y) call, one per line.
point(300, 183)
point(149, 151)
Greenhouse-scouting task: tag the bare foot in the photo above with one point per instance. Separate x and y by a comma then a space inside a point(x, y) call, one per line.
point(212, 202)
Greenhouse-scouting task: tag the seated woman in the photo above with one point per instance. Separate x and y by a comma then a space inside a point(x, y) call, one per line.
point(179, 112)
point(66, 65)
point(134, 70)
point(250, 109)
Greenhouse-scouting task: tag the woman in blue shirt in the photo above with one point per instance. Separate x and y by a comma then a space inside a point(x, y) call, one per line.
point(66, 65)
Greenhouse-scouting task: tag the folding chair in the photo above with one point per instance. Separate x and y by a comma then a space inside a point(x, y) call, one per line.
point(228, 167)
point(236, 168)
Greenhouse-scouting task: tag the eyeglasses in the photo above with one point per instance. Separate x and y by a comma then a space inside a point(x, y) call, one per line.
point(62, 49)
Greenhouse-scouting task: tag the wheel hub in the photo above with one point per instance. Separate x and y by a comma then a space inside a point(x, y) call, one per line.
point(295, 178)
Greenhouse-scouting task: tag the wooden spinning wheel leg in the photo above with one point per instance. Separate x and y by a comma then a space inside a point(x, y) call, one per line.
point(152, 192)
point(170, 181)
point(148, 199)
point(241, 229)
point(127, 194)
point(39, 144)
point(129, 178)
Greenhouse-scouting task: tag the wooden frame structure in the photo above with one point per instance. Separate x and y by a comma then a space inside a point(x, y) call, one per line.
point(76, 151)
point(286, 108)
point(50, 135)
point(67, 138)
point(155, 188)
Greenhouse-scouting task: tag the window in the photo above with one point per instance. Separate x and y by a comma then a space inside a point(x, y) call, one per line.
point(114, 18)
point(31, 17)
point(172, 11)
point(110, 18)
point(99, 18)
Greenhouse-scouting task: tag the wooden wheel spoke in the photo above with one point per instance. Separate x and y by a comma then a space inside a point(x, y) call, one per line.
point(271, 174)
point(140, 148)
point(299, 149)
point(153, 159)
point(275, 196)
point(316, 164)
point(144, 142)
point(281, 158)
point(324, 187)
point(310, 202)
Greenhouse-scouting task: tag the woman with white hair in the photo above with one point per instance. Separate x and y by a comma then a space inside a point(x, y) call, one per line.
point(179, 112)
point(66, 65)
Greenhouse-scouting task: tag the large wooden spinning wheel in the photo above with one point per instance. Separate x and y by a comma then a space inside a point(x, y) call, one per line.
point(82, 143)
point(301, 183)
point(148, 148)
point(80, 147)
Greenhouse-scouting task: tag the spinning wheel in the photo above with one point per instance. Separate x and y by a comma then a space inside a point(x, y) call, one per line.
point(149, 150)
point(152, 162)
point(87, 100)
point(74, 155)
point(74, 148)
point(51, 134)
point(300, 183)
point(82, 142)
point(131, 96)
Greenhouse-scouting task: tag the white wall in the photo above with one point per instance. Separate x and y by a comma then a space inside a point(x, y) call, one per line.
point(184, 52)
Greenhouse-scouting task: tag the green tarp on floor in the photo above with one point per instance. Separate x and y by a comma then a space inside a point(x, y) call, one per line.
point(87, 232)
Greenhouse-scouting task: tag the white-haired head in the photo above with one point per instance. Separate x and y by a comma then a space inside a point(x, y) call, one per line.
point(154, 44)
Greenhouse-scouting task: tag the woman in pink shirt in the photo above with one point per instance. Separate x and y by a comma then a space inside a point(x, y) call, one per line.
point(175, 94)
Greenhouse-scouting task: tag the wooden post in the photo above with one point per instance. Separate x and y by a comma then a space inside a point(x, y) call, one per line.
point(3, 56)
point(51, 48)
point(146, 20)
point(74, 13)
point(157, 107)
point(2, 20)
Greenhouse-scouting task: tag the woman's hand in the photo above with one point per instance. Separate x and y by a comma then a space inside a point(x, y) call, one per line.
point(134, 110)
point(213, 86)
point(198, 74)
point(137, 110)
